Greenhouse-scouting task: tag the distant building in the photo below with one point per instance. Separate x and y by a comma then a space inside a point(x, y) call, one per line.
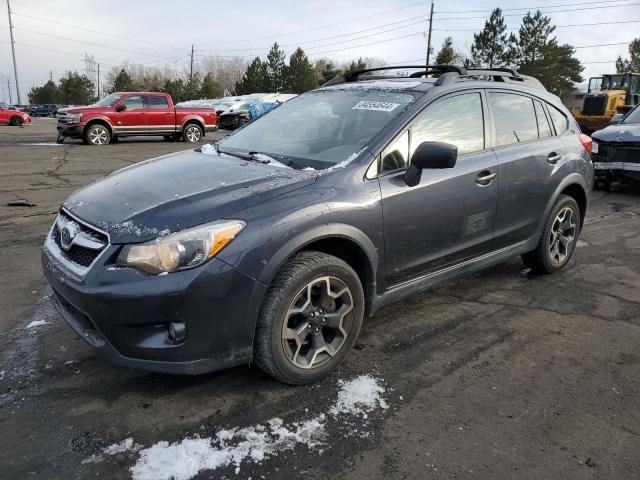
point(574, 100)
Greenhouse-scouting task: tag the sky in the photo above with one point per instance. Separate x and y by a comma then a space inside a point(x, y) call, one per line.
point(53, 36)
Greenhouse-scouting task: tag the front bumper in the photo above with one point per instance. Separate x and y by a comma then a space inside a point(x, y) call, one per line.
point(124, 314)
point(72, 131)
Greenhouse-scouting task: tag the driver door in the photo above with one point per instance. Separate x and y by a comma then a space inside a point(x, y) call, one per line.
point(449, 216)
point(133, 119)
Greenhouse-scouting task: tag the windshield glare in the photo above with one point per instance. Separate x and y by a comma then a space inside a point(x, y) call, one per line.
point(321, 128)
point(109, 100)
point(633, 117)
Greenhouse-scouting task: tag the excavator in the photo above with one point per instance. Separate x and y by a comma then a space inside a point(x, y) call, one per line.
point(607, 96)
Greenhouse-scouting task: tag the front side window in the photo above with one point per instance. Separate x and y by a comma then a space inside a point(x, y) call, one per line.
point(514, 117)
point(633, 117)
point(157, 102)
point(133, 103)
point(559, 120)
point(324, 127)
point(456, 120)
point(396, 155)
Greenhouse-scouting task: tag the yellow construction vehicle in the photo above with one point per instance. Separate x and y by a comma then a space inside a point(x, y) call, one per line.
point(607, 96)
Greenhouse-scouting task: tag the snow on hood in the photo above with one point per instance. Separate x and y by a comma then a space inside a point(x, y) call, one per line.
point(624, 132)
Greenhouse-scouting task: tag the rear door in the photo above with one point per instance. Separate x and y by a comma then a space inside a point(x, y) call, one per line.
point(160, 116)
point(531, 161)
point(133, 119)
point(448, 217)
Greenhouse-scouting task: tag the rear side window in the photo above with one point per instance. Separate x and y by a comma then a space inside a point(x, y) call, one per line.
point(544, 129)
point(559, 120)
point(133, 103)
point(156, 102)
point(456, 120)
point(515, 118)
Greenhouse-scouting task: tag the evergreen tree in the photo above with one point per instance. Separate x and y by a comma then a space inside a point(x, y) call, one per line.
point(255, 79)
point(539, 55)
point(178, 89)
point(210, 87)
point(446, 54)
point(356, 65)
point(76, 89)
point(276, 69)
point(632, 64)
point(327, 72)
point(301, 76)
point(492, 47)
point(48, 93)
point(123, 82)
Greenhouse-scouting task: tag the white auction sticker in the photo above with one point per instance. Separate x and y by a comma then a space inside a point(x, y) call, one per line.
point(378, 106)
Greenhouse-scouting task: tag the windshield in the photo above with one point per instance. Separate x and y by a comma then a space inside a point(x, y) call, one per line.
point(613, 82)
point(633, 117)
point(321, 128)
point(109, 100)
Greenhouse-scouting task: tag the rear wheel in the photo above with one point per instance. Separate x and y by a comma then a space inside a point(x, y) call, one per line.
point(192, 133)
point(559, 238)
point(15, 121)
point(97, 134)
point(310, 319)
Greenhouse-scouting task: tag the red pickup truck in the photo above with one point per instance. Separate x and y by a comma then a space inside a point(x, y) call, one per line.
point(124, 114)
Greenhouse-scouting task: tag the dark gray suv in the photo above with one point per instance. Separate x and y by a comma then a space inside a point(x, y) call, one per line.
point(273, 245)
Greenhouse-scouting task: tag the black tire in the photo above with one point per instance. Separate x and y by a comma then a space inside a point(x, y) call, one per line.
point(542, 259)
point(192, 133)
point(97, 134)
point(15, 121)
point(291, 282)
point(114, 139)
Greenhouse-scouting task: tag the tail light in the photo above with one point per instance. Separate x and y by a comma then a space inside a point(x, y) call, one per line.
point(586, 142)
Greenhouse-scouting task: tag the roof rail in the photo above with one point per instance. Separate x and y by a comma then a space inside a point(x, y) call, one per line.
point(426, 70)
point(498, 74)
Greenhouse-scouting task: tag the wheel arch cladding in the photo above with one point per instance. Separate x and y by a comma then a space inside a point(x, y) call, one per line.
point(342, 241)
point(195, 120)
point(578, 193)
point(99, 121)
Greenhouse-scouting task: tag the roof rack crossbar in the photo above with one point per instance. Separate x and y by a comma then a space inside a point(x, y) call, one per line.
point(426, 69)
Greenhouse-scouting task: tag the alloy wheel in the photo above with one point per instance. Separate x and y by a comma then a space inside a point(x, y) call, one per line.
point(317, 322)
point(562, 235)
point(192, 133)
point(98, 136)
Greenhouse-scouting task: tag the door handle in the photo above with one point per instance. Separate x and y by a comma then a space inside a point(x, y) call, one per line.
point(553, 158)
point(484, 178)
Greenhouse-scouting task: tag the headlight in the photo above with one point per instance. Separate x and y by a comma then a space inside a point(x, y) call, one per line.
point(74, 117)
point(182, 250)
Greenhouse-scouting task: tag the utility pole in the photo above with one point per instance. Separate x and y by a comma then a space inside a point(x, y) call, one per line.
point(429, 36)
point(13, 52)
point(51, 75)
point(191, 74)
point(98, 84)
point(9, 89)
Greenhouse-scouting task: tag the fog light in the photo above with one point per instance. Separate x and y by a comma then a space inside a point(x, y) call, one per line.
point(177, 332)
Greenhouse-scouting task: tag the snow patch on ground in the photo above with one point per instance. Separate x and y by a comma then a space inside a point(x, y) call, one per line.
point(124, 446)
point(37, 323)
point(184, 459)
point(581, 243)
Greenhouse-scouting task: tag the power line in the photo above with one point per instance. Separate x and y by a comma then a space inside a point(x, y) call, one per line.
point(96, 31)
point(87, 43)
point(557, 26)
point(526, 8)
point(371, 43)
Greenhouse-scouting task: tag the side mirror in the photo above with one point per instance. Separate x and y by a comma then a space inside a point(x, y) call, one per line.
point(430, 155)
point(616, 118)
point(121, 107)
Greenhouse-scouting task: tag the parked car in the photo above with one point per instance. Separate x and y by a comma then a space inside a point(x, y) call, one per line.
point(273, 245)
point(616, 151)
point(22, 108)
point(124, 114)
point(246, 112)
point(46, 110)
point(11, 116)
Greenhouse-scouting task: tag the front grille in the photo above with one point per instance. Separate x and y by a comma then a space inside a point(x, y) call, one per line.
point(82, 248)
point(628, 154)
point(594, 105)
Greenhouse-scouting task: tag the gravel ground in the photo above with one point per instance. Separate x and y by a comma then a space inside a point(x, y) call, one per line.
point(500, 375)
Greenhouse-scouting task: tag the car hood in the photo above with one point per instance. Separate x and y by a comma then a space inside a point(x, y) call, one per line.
point(624, 132)
point(87, 109)
point(179, 191)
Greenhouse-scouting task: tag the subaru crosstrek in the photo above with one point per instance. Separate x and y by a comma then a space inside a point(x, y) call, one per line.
point(272, 245)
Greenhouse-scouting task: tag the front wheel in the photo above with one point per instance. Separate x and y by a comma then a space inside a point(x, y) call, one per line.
point(16, 121)
point(310, 319)
point(97, 135)
point(192, 133)
point(559, 238)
